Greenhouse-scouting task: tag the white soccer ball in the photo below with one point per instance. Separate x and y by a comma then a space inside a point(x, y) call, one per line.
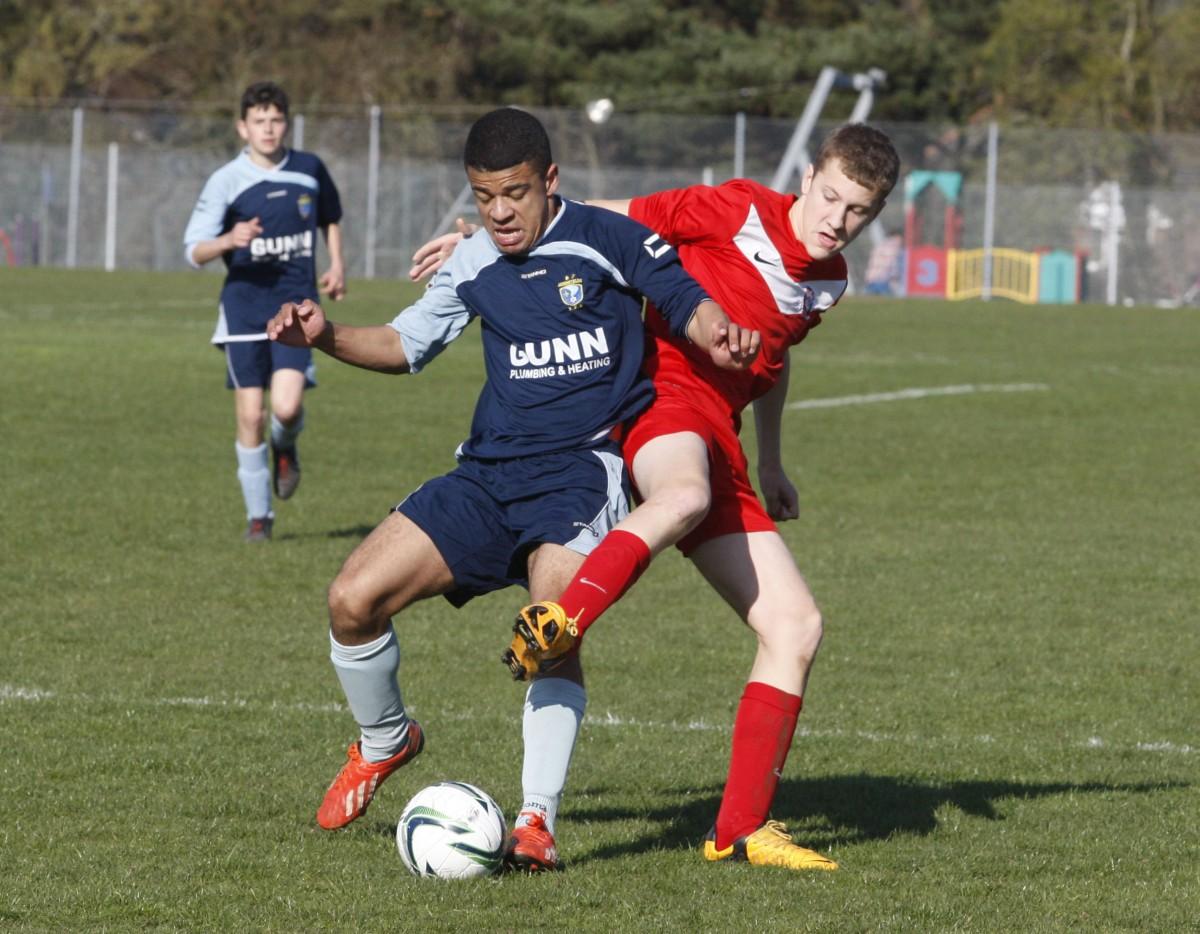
point(451, 830)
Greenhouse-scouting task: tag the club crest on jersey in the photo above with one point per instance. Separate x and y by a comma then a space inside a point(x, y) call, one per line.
point(808, 302)
point(570, 290)
point(304, 205)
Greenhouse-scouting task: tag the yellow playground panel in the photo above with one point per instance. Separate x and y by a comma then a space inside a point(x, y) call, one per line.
point(1014, 274)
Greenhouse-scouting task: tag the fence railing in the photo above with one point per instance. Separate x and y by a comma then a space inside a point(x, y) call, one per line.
point(112, 186)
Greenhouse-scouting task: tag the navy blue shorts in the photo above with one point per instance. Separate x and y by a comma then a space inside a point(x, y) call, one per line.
point(250, 363)
point(486, 516)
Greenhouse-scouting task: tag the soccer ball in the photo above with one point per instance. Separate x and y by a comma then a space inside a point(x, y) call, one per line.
point(451, 830)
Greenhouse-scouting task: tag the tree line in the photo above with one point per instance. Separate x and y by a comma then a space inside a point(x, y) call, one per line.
point(1102, 64)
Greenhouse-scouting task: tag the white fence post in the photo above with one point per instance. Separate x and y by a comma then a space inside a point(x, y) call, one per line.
point(739, 145)
point(298, 131)
point(73, 190)
point(110, 210)
point(372, 191)
point(989, 209)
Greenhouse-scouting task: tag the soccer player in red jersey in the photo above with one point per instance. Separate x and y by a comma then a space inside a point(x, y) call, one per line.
point(773, 263)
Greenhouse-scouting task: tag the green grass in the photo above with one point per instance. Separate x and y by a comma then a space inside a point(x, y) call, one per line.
point(1000, 733)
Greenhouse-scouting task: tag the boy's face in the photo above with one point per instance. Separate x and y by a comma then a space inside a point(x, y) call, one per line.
point(263, 129)
point(515, 204)
point(832, 210)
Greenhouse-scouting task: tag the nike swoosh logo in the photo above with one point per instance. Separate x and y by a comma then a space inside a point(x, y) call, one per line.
point(759, 258)
point(584, 580)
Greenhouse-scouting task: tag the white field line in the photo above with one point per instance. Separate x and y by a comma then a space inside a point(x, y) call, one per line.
point(901, 395)
point(10, 693)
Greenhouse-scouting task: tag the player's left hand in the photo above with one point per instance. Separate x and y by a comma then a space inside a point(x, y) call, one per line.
point(779, 495)
point(734, 347)
point(730, 346)
point(333, 283)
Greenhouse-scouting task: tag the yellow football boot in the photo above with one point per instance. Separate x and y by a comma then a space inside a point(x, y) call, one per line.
point(770, 845)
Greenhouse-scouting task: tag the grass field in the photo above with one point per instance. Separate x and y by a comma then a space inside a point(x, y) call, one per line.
point(1001, 733)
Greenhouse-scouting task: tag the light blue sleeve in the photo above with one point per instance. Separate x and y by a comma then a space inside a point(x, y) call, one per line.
point(208, 216)
point(434, 321)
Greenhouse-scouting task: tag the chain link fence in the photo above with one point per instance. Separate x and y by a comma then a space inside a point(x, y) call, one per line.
point(112, 186)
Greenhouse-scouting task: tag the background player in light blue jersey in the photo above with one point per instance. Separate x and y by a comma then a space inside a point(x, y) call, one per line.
point(260, 213)
point(557, 286)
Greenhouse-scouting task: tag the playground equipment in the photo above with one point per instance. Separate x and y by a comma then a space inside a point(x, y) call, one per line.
point(942, 270)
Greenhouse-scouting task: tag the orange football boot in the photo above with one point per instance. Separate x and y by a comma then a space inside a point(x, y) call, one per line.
point(530, 847)
point(354, 787)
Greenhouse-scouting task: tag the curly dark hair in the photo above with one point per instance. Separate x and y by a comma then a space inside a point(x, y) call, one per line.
point(505, 138)
point(866, 154)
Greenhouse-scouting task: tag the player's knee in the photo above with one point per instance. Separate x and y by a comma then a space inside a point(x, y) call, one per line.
point(250, 425)
point(287, 411)
point(351, 609)
point(793, 633)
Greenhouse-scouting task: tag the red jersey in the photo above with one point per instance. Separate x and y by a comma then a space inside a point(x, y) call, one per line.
point(736, 240)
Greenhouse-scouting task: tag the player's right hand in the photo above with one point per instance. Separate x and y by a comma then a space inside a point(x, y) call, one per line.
point(431, 255)
point(298, 325)
point(245, 231)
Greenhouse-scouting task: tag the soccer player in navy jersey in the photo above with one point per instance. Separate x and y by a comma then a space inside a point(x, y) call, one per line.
point(260, 213)
point(557, 287)
point(774, 263)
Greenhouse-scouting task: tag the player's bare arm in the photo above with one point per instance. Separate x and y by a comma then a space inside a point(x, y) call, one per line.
point(730, 346)
point(373, 348)
point(235, 239)
point(333, 282)
point(430, 255)
point(779, 495)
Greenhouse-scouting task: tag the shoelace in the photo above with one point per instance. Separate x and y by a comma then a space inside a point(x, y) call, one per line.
point(782, 838)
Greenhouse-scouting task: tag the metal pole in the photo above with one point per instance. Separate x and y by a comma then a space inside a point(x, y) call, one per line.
point(796, 152)
point(1112, 238)
point(73, 190)
point(110, 210)
point(298, 132)
point(706, 175)
point(739, 145)
point(372, 191)
point(989, 209)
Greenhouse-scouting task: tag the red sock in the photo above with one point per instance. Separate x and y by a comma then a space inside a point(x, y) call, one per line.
point(608, 572)
point(762, 736)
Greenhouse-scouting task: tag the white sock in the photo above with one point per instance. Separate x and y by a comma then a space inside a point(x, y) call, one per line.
point(284, 436)
point(255, 480)
point(553, 712)
point(368, 677)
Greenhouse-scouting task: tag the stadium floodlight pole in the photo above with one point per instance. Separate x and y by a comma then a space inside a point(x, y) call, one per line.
point(989, 209)
point(73, 190)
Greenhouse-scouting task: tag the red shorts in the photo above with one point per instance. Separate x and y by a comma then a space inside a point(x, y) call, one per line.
point(735, 505)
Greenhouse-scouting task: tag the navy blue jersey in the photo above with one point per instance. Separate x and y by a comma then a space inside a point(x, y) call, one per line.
point(292, 201)
point(562, 328)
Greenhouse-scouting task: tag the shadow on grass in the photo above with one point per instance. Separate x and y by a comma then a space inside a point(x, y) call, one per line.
point(848, 809)
point(354, 531)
